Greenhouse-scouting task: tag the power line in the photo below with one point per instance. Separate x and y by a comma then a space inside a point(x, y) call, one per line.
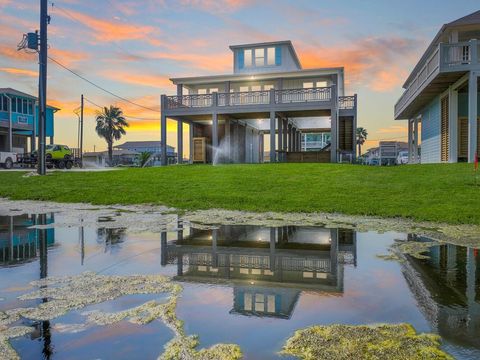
point(127, 116)
point(102, 88)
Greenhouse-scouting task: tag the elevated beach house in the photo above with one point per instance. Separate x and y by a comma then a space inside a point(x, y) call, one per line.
point(266, 104)
point(19, 121)
point(440, 100)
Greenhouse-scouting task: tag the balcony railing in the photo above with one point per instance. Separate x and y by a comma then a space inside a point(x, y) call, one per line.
point(286, 96)
point(347, 102)
point(445, 58)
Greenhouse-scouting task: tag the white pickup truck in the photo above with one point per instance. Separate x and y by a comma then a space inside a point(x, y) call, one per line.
point(7, 159)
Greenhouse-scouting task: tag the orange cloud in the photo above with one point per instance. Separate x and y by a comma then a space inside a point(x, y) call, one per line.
point(16, 71)
point(364, 60)
point(394, 129)
point(106, 30)
point(211, 62)
point(150, 80)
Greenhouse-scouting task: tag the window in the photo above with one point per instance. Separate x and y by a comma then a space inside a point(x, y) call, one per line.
point(212, 90)
point(24, 107)
point(3, 103)
point(248, 58)
point(268, 87)
point(201, 91)
point(243, 88)
point(19, 105)
point(259, 57)
point(271, 56)
point(14, 105)
point(308, 85)
point(322, 84)
point(256, 88)
point(30, 107)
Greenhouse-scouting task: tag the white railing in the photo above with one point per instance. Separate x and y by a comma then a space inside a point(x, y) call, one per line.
point(323, 94)
point(347, 102)
point(244, 98)
point(303, 95)
point(445, 58)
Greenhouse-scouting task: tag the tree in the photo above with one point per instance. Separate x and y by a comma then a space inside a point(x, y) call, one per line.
point(111, 126)
point(362, 135)
point(143, 158)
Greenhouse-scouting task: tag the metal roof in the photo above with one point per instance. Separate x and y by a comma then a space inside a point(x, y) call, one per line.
point(141, 144)
point(257, 76)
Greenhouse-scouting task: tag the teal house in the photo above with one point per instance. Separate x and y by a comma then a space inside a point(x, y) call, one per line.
point(19, 121)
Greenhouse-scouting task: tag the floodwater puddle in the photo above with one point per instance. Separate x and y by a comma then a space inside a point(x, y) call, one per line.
point(232, 291)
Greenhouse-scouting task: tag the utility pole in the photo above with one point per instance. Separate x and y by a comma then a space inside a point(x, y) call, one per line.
point(81, 132)
point(42, 86)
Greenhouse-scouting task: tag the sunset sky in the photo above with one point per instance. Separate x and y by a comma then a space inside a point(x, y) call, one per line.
point(133, 47)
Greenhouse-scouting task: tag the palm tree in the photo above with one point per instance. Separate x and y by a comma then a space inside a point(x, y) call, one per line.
point(362, 135)
point(110, 126)
point(143, 158)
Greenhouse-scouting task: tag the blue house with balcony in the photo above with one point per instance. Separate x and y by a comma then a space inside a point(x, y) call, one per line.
point(19, 121)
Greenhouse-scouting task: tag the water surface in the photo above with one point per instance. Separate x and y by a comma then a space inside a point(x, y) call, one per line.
point(249, 285)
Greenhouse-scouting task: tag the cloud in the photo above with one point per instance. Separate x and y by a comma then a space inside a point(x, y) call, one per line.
point(220, 62)
point(20, 72)
point(146, 79)
point(106, 30)
point(394, 129)
point(365, 60)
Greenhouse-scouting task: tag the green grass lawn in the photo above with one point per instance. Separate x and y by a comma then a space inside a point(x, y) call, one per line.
point(441, 192)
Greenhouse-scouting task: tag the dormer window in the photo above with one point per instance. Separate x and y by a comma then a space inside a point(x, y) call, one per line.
point(260, 57)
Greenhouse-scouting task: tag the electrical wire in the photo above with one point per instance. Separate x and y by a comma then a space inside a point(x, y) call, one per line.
point(127, 116)
point(102, 88)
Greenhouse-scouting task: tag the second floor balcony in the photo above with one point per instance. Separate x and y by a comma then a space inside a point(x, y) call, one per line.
point(445, 64)
point(322, 96)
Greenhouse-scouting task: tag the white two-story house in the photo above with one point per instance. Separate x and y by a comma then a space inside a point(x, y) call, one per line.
point(260, 112)
point(440, 100)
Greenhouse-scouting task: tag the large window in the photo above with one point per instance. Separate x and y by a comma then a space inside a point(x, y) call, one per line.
point(3, 103)
point(248, 58)
point(260, 57)
point(271, 56)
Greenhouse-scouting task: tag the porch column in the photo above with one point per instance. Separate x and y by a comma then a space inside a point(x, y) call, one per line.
point(179, 141)
point(410, 141)
point(280, 137)
point(453, 125)
point(285, 135)
point(228, 142)
point(190, 131)
point(299, 141)
point(214, 128)
point(262, 147)
point(163, 131)
point(415, 141)
point(179, 89)
point(272, 137)
point(294, 138)
point(472, 114)
point(290, 137)
point(334, 135)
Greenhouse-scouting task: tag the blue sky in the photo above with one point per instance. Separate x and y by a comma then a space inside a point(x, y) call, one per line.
point(133, 47)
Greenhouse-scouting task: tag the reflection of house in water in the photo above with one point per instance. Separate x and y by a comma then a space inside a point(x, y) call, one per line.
point(269, 267)
point(447, 289)
point(18, 242)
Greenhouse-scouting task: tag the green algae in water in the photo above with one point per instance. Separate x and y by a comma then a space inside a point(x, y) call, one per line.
point(416, 249)
point(338, 342)
point(76, 292)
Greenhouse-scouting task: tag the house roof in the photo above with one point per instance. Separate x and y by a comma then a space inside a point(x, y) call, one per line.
point(115, 153)
point(271, 43)
point(471, 19)
point(141, 144)
point(10, 91)
point(258, 76)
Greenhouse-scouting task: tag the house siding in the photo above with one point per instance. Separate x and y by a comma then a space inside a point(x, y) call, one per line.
point(430, 146)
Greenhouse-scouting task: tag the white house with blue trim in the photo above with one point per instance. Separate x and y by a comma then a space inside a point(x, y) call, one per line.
point(269, 102)
point(441, 96)
point(19, 121)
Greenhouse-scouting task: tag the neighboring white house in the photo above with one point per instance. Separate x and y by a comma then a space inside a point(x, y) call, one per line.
point(386, 153)
point(441, 96)
point(269, 99)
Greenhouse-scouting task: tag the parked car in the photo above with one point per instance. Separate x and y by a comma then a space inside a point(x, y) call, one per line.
point(7, 159)
point(402, 157)
point(374, 161)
